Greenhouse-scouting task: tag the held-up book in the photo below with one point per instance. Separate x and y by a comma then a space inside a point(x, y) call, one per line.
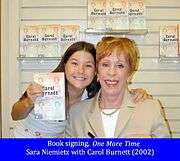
point(169, 41)
point(51, 105)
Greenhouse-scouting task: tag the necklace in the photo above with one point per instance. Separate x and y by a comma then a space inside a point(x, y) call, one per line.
point(111, 113)
point(107, 114)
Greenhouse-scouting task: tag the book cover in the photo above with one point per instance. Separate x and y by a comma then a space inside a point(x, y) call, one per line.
point(137, 14)
point(169, 41)
point(29, 40)
point(49, 41)
point(69, 35)
point(96, 14)
point(117, 14)
point(50, 106)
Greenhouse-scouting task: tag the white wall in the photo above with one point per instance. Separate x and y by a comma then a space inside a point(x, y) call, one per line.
point(161, 80)
point(9, 53)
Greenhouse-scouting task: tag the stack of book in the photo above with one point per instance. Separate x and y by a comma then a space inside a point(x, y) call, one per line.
point(29, 41)
point(137, 14)
point(169, 41)
point(116, 14)
point(68, 35)
point(47, 40)
point(97, 14)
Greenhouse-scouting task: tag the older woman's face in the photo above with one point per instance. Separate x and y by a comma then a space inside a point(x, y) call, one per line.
point(80, 69)
point(113, 72)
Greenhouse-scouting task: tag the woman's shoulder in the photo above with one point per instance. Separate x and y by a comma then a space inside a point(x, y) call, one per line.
point(153, 101)
point(150, 105)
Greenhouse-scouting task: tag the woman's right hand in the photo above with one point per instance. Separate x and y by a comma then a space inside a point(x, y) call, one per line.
point(34, 90)
point(25, 104)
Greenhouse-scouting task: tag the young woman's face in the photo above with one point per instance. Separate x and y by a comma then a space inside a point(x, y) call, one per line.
point(80, 69)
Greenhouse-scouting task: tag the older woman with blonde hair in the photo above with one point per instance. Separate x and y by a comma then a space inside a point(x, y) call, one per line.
point(112, 113)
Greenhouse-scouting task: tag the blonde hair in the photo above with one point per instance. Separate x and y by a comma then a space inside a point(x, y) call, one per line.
point(124, 46)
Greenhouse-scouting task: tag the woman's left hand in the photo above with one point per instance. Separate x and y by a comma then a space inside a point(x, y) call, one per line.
point(139, 95)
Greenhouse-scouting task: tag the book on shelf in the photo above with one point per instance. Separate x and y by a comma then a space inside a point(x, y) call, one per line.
point(49, 41)
point(69, 34)
point(51, 105)
point(117, 15)
point(96, 14)
point(137, 14)
point(168, 41)
point(29, 40)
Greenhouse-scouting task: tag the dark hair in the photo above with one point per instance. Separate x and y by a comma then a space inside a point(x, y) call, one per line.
point(93, 88)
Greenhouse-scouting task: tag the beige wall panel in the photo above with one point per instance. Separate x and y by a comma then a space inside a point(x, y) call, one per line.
point(176, 135)
point(154, 64)
point(174, 125)
point(163, 3)
point(149, 39)
point(49, 3)
point(153, 26)
point(144, 76)
point(163, 13)
point(53, 13)
point(160, 89)
point(169, 102)
point(172, 113)
point(81, 13)
point(149, 51)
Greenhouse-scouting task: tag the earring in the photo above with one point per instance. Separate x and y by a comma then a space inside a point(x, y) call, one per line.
point(129, 81)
